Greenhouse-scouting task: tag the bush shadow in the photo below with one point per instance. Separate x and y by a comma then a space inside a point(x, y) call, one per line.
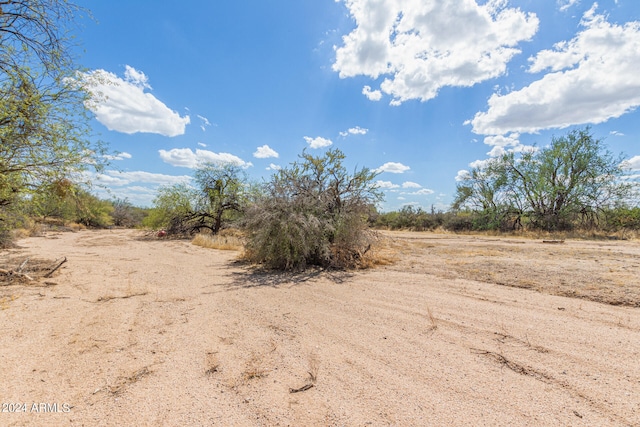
point(258, 277)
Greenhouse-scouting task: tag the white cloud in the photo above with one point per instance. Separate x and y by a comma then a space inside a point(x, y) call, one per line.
point(479, 164)
point(118, 184)
point(187, 158)
point(273, 167)
point(204, 123)
point(392, 167)
point(265, 152)
point(202, 144)
point(409, 184)
point(318, 142)
point(462, 175)
point(592, 78)
point(354, 131)
point(118, 178)
point(566, 4)
point(372, 95)
point(118, 156)
point(422, 192)
point(421, 46)
point(616, 133)
point(122, 105)
point(510, 140)
point(633, 163)
point(387, 185)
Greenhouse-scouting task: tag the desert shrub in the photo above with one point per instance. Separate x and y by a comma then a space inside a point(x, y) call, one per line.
point(312, 213)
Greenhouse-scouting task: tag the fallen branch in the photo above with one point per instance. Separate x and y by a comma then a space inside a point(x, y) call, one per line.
point(14, 273)
point(303, 388)
point(24, 263)
point(109, 298)
point(56, 267)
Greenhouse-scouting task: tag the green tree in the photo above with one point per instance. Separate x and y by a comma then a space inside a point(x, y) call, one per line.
point(223, 193)
point(170, 202)
point(568, 182)
point(312, 213)
point(44, 125)
point(219, 197)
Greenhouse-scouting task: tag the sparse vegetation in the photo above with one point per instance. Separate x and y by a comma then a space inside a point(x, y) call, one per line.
point(230, 240)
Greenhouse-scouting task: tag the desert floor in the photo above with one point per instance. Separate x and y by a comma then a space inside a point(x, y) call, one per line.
point(459, 330)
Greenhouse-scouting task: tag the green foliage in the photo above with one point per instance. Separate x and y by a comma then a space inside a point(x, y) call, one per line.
point(567, 183)
point(219, 198)
point(170, 202)
point(92, 211)
point(312, 213)
point(222, 196)
point(44, 125)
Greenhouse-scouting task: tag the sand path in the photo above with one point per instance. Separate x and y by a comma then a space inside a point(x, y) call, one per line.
point(149, 332)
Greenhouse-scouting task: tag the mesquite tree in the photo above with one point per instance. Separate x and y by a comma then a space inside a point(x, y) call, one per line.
point(569, 181)
point(312, 213)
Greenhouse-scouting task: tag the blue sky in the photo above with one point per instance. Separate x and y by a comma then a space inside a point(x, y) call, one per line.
point(420, 90)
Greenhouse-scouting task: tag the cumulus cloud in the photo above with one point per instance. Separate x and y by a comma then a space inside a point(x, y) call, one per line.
point(118, 178)
point(392, 167)
point(372, 95)
point(187, 158)
point(633, 163)
point(318, 142)
point(273, 167)
point(139, 187)
point(354, 131)
point(462, 175)
point(265, 152)
point(409, 184)
point(590, 79)
point(122, 105)
point(500, 143)
point(386, 185)
point(421, 46)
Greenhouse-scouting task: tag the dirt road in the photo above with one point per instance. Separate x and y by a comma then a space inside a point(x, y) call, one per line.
point(151, 332)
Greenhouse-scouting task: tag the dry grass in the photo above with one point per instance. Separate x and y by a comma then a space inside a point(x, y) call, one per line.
point(123, 382)
point(254, 368)
point(432, 320)
point(212, 363)
point(382, 252)
point(5, 302)
point(314, 367)
point(225, 240)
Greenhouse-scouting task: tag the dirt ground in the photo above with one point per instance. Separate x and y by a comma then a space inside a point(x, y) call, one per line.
point(459, 330)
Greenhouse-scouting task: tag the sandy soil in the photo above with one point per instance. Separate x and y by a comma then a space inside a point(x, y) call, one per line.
point(148, 332)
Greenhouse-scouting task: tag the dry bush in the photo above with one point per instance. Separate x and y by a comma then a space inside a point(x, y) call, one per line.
point(312, 213)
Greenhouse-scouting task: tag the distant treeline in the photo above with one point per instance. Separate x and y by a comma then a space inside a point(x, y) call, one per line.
point(418, 219)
